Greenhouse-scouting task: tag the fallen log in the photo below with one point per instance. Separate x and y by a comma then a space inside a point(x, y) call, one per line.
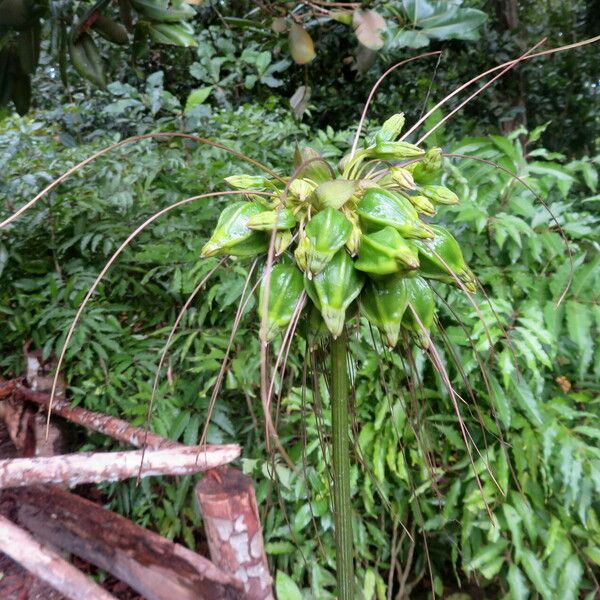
point(150, 564)
point(232, 524)
point(96, 467)
point(110, 426)
point(46, 564)
point(7, 387)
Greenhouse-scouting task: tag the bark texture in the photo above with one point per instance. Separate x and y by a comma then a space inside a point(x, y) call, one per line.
point(228, 505)
point(46, 564)
point(150, 564)
point(111, 426)
point(95, 467)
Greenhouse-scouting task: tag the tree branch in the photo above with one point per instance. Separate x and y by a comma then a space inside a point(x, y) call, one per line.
point(111, 426)
point(95, 467)
point(46, 564)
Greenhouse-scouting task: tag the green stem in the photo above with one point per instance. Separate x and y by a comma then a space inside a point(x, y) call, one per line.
point(340, 425)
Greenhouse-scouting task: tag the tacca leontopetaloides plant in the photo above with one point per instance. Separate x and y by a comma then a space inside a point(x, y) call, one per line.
point(343, 240)
point(333, 242)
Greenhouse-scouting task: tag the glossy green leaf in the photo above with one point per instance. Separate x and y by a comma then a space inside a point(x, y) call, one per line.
point(286, 588)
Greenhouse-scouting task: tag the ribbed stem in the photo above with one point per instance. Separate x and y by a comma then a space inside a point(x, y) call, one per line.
point(340, 425)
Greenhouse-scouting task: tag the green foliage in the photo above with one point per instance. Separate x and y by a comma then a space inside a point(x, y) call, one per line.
point(533, 417)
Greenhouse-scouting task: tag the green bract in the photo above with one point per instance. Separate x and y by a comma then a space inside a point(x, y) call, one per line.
point(232, 236)
point(314, 167)
point(327, 232)
point(334, 289)
point(385, 252)
point(286, 287)
point(383, 302)
point(418, 317)
point(380, 208)
point(335, 193)
point(334, 228)
point(441, 258)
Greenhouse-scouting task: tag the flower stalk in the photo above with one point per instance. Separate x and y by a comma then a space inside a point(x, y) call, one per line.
point(340, 424)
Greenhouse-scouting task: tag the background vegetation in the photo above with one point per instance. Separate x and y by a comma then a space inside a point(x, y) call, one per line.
point(527, 371)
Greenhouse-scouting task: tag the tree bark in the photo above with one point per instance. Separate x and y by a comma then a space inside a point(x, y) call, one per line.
point(47, 565)
point(150, 564)
point(96, 467)
point(111, 426)
point(232, 524)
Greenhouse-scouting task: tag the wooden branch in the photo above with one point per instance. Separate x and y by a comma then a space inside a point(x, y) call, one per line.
point(150, 564)
point(232, 524)
point(7, 387)
point(111, 426)
point(95, 467)
point(46, 564)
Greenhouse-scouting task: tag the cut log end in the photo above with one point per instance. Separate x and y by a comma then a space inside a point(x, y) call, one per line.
point(233, 530)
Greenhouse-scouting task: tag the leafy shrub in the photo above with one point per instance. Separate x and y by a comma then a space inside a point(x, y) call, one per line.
point(533, 416)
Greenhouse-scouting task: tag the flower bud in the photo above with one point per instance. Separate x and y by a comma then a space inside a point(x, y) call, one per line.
point(439, 194)
point(231, 235)
point(246, 182)
point(385, 252)
point(279, 219)
point(391, 129)
point(403, 177)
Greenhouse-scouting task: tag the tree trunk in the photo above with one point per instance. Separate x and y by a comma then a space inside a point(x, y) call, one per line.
point(232, 524)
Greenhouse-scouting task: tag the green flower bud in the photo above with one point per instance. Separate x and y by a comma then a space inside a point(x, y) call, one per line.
point(395, 150)
point(391, 129)
point(380, 208)
point(301, 189)
point(421, 204)
point(301, 252)
point(333, 290)
point(383, 303)
point(419, 299)
point(279, 219)
point(335, 193)
point(283, 239)
point(439, 194)
point(286, 286)
point(426, 170)
point(353, 243)
point(403, 177)
point(385, 252)
point(231, 235)
point(247, 182)
point(341, 17)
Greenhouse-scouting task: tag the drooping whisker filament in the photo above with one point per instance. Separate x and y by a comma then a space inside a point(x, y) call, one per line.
point(105, 269)
point(539, 198)
point(93, 157)
point(479, 91)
